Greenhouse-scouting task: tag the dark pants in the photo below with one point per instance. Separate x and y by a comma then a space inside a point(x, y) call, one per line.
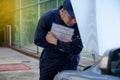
point(50, 66)
point(49, 75)
point(48, 70)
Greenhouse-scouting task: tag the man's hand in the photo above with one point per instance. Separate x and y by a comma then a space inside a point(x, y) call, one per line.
point(50, 38)
point(67, 40)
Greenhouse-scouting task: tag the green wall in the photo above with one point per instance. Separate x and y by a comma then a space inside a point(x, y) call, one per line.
point(27, 14)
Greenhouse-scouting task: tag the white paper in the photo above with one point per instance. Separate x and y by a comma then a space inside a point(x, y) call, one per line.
point(61, 32)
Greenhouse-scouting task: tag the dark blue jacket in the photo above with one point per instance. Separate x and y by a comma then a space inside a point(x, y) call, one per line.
point(62, 52)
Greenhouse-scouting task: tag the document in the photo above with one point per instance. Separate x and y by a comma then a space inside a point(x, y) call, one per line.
point(61, 32)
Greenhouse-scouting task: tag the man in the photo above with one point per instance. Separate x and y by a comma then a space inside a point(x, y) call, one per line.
point(57, 55)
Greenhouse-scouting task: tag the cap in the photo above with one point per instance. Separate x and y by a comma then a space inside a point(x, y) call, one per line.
point(68, 7)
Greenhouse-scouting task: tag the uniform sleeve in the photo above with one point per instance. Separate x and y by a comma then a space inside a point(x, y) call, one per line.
point(40, 33)
point(74, 47)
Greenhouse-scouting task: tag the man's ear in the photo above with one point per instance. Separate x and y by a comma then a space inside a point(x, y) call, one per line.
point(62, 10)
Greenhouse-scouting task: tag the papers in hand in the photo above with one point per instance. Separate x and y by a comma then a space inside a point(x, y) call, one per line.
point(61, 32)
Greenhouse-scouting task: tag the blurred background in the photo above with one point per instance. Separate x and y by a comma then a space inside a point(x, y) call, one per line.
point(18, 21)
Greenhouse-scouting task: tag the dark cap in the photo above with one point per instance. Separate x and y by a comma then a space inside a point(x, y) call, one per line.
point(68, 7)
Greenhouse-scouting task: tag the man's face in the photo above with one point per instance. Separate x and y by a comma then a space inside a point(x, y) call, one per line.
point(68, 20)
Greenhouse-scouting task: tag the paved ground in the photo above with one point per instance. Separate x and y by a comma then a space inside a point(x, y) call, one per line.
point(9, 56)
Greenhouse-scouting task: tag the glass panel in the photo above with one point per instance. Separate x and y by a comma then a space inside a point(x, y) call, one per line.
point(28, 24)
point(28, 2)
point(16, 29)
point(17, 4)
point(47, 5)
point(60, 2)
point(115, 63)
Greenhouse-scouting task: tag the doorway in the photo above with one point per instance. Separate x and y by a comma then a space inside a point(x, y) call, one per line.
point(5, 36)
point(2, 37)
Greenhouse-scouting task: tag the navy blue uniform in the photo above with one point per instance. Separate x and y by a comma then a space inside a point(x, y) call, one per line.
point(55, 58)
